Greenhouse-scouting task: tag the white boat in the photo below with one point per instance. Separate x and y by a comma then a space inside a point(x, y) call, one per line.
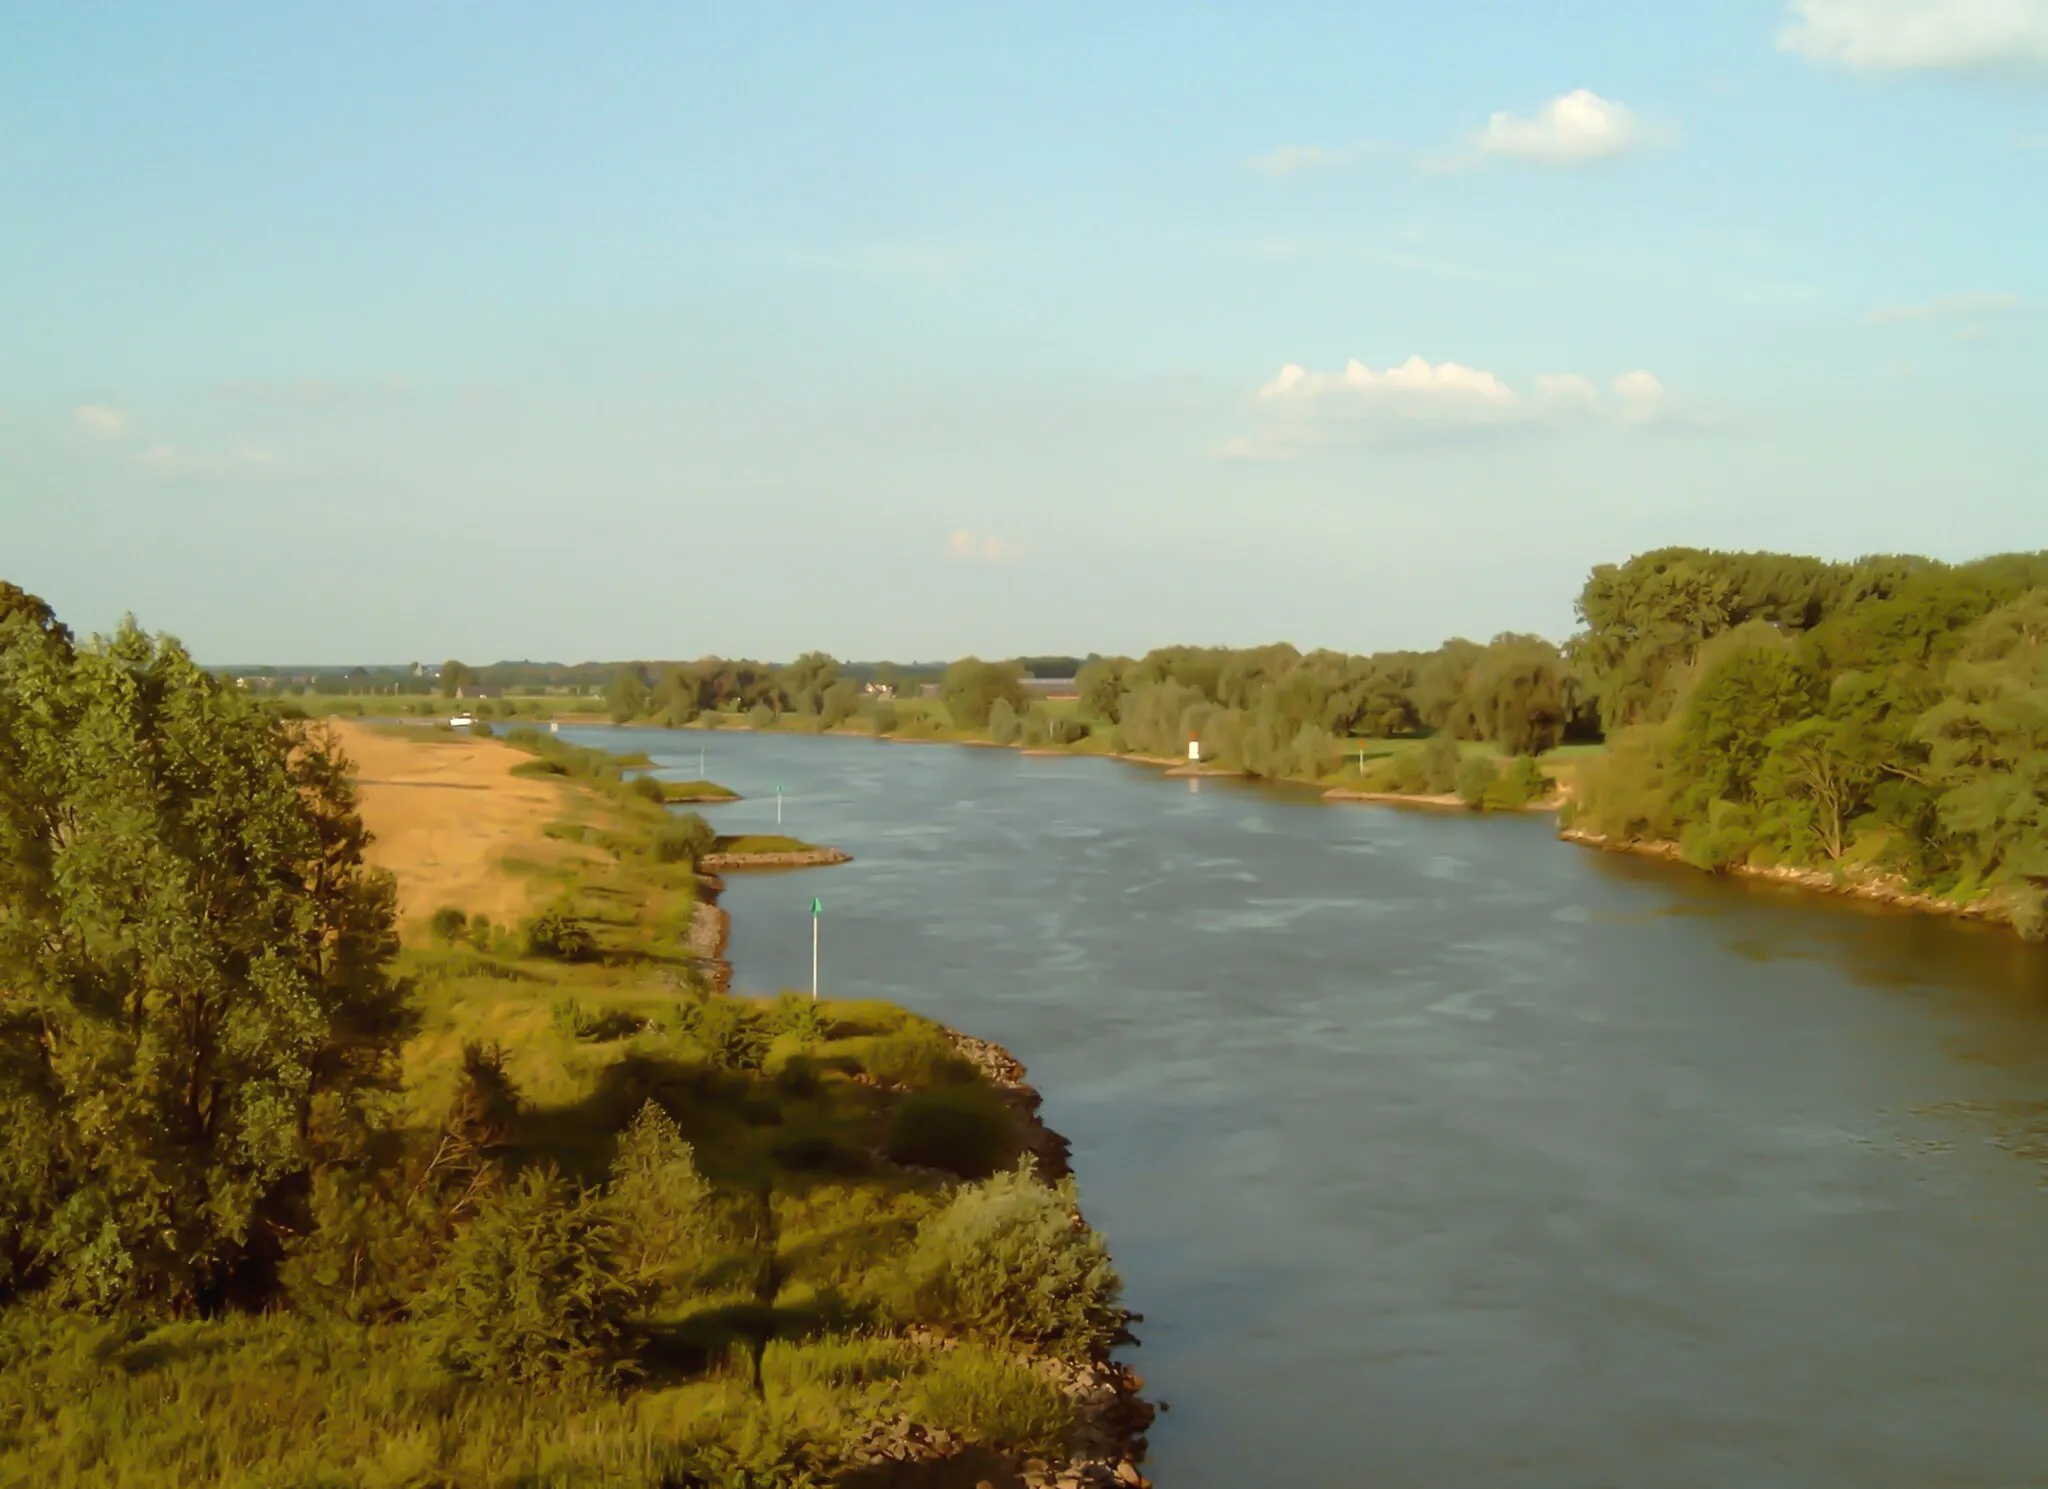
point(462, 721)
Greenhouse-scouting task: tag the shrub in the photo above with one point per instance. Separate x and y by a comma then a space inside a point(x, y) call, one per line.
point(882, 717)
point(982, 1395)
point(796, 1015)
point(560, 937)
point(965, 1130)
point(535, 1290)
point(1521, 783)
point(647, 788)
point(1440, 761)
point(662, 1202)
point(684, 840)
point(1004, 1259)
point(1004, 727)
point(733, 1033)
point(915, 1057)
point(1476, 776)
point(575, 1021)
point(448, 923)
point(761, 716)
point(480, 931)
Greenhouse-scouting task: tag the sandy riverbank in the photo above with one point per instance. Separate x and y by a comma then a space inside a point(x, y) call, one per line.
point(444, 812)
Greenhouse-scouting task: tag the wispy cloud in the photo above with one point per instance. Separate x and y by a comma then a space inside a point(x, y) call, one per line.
point(99, 421)
point(965, 546)
point(121, 440)
point(315, 390)
point(1431, 399)
point(1292, 160)
point(1922, 35)
point(1949, 307)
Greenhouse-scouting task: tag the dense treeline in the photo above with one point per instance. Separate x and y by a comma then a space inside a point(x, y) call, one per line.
point(1885, 716)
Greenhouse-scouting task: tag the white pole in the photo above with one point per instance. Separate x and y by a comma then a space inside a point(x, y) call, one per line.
point(814, 957)
point(778, 806)
point(700, 762)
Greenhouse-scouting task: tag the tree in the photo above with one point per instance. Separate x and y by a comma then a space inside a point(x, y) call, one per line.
point(626, 695)
point(456, 676)
point(972, 688)
point(1100, 684)
point(193, 998)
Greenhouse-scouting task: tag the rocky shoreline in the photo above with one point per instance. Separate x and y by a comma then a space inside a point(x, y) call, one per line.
point(1112, 1413)
point(1892, 892)
point(801, 858)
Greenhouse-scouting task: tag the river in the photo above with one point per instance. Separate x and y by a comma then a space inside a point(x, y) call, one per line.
point(1438, 1153)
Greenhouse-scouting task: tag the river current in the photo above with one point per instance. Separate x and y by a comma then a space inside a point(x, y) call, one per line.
point(1439, 1154)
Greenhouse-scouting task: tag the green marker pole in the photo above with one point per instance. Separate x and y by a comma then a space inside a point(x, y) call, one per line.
point(817, 914)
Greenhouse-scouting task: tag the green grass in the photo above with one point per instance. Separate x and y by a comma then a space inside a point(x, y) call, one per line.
point(762, 842)
point(699, 791)
point(773, 1356)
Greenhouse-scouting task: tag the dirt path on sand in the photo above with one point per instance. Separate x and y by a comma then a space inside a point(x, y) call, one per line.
point(445, 813)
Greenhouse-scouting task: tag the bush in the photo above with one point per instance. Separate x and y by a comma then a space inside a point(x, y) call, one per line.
point(575, 1021)
point(761, 716)
point(647, 788)
point(480, 931)
point(797, 1016)
point(733, 1033)
point(448, 923)
point(1440, 761)
point(982, 1395)
point(882, 717)
point(1476, 777)
point(1004, 1259)
point(915, 1057)
point(535, 1290)
point(662, 1202)
point(1003, 725)
point(685, 839)
point(559, 937)
point(965, 1130)
point(1521, 783)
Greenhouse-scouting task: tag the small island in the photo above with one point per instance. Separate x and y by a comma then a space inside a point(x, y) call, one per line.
point(696, 793)
point(767, 851)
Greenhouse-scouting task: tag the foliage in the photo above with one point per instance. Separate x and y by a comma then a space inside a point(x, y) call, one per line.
point(1004, 727)
point(1478, 780)
point(965, 1130)
point(194, 1006)
point(534, 1290)
point(1439, 762)
point(685, 839)
point(448, 923)
point(972, 688)
point(663, 1204)
point(1005, 1260)
point(559, 936)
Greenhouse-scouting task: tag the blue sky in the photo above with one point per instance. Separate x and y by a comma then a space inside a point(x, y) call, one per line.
point(392, 332)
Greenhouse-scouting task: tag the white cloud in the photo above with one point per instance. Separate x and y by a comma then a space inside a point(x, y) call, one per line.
point(972, 547)
point(99, 421)
point(1290, 160)
point(1948, 307)
point(2031, 142)
point(1421, 397)
point(1921, 35)
point(1577, 128)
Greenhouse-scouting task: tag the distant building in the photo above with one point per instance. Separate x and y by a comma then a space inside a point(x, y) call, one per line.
point(1051, 687)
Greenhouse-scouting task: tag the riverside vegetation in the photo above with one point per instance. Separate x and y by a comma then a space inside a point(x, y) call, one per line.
point(287, 1201)
point(1881, 723)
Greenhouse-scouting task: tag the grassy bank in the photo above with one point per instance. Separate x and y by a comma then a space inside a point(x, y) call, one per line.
point(807, 1201)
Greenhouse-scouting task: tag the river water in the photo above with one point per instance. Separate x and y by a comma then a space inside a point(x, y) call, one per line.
point(1439, 1153)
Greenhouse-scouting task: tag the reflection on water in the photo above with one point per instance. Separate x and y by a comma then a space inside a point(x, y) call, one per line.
point(1438, 1153)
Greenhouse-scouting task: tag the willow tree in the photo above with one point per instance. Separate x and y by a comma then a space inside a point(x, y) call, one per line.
point(194, 1006)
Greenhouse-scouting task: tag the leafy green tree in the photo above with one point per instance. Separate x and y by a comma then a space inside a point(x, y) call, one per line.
point(1100, 686)
point(194, 1006)
point(455, 676)
point(535, 1290)
point(626, 695)
point(1003, 725)
point(972, 688)
point(1478, 776)
point(1440, 760)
